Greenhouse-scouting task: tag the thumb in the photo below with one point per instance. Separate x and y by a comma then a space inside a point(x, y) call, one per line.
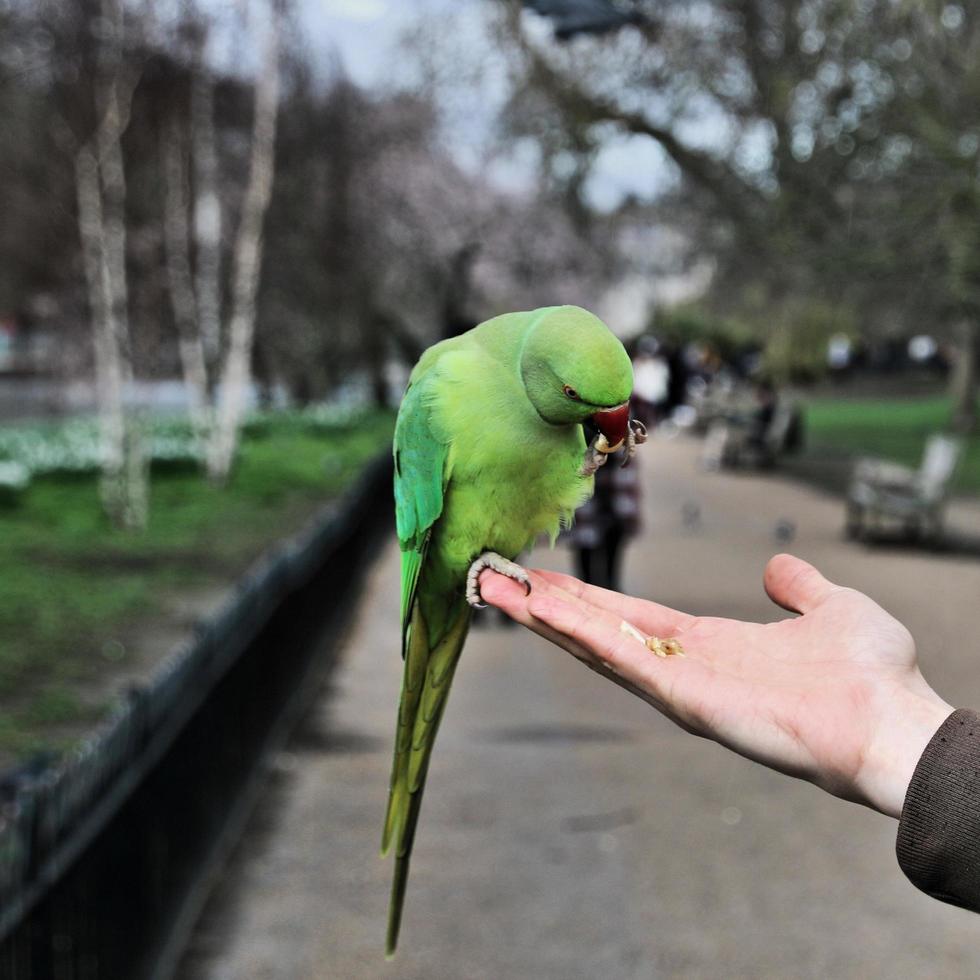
point(795, 584)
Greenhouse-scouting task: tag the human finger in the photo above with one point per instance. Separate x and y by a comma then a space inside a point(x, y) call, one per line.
point(603, 634)
point(510, 597)
point(646, 615)
point(623, 666)
point(795, 584)
point(513, 599)
point(506, 594)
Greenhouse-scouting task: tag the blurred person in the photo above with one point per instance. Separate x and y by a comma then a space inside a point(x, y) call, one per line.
point(833, 696)
point(699, 361)
point(760, 419)
point(605, 522)
point(677, 383)
point(744, 436)
point(651, 380)
point(840, 353)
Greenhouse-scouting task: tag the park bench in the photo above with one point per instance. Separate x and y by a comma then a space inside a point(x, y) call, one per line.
point(713, 401)
point(729, 441)
point(882, 492)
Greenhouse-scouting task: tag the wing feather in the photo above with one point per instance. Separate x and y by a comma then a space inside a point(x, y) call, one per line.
point(421, 481)
point(430, 650)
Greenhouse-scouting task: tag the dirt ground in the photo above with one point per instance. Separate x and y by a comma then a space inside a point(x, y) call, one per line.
point(569, 831)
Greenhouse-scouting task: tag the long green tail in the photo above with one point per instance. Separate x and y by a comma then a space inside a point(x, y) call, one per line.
point(429, 669)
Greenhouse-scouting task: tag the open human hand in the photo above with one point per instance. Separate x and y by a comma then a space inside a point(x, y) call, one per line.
point(833, 696)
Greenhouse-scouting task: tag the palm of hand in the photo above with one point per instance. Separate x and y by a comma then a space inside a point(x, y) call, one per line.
point(801, 695)
point(833, 696)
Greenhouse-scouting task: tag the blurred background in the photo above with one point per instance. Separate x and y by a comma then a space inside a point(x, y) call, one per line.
point(228, 228)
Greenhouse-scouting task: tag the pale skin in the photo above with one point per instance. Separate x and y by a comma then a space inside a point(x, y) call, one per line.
point(833, 696)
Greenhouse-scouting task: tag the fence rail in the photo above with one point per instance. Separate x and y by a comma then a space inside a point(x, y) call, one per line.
point(100, 855)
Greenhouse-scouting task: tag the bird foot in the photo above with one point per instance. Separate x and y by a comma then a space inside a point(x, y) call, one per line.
point(599, 449)
point(594, 457)
point(490, 559)
point(636, 436)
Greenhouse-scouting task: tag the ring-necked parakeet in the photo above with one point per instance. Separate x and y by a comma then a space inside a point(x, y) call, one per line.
point(489, 453)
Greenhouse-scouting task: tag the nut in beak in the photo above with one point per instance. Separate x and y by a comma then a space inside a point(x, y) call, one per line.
point(613, 424)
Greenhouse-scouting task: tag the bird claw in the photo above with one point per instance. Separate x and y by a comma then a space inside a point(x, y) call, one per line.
point(490, 559)
point(594, 457)
point(599, 449)
point(636, 436)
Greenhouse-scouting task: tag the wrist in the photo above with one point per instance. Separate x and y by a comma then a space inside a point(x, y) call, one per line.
point(900, 737)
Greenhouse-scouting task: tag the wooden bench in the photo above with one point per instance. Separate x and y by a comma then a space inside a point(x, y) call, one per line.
point(883, 493)
point(729, 441)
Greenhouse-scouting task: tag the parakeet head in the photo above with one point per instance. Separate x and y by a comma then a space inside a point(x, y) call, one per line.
point(573, 369)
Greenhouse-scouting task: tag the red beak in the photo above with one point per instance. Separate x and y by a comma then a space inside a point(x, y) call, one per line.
point(613, 423)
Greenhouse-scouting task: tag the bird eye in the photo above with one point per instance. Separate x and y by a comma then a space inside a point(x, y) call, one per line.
point(570, 392)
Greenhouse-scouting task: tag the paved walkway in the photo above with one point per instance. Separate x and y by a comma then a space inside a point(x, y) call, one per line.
point(568, 830)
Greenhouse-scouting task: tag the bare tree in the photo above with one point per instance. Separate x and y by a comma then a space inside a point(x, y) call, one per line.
point(247, 258)
point(180, 275)
point(101, 193)
point(195, 286)
point(827, 151)
point(207, 204)
point(943, 120)
point(195, 290)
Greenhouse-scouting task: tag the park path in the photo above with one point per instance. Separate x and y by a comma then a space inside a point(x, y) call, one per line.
point(570, 832)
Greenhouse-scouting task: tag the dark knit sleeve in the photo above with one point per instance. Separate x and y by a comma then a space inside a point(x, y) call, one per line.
point(939, 833)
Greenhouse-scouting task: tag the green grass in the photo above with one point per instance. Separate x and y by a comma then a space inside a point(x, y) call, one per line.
point(894, 429)
point(74, 591)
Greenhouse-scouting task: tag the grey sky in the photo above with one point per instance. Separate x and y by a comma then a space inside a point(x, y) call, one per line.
point(365, 35)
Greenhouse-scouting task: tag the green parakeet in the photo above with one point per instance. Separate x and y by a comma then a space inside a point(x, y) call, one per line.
point(489, 453)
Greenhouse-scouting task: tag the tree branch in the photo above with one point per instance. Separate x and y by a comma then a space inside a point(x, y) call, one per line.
point(739, 200)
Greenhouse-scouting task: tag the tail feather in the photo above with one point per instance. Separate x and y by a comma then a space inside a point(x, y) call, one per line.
point(428, 675)
point(416, 653)
point(395, 905)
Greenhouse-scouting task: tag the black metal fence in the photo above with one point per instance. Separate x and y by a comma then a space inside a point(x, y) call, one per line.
point(104, 860)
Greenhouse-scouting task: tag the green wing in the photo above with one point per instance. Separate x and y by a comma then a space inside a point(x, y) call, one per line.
point(430, 649)
point(420, 486)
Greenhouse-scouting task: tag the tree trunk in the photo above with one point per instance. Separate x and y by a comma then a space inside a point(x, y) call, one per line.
point(108, 369)
point(246, 262)
point(376, 352)
point(207, 210)
point(180, 276)
point(965, 382)
point(100, 183)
